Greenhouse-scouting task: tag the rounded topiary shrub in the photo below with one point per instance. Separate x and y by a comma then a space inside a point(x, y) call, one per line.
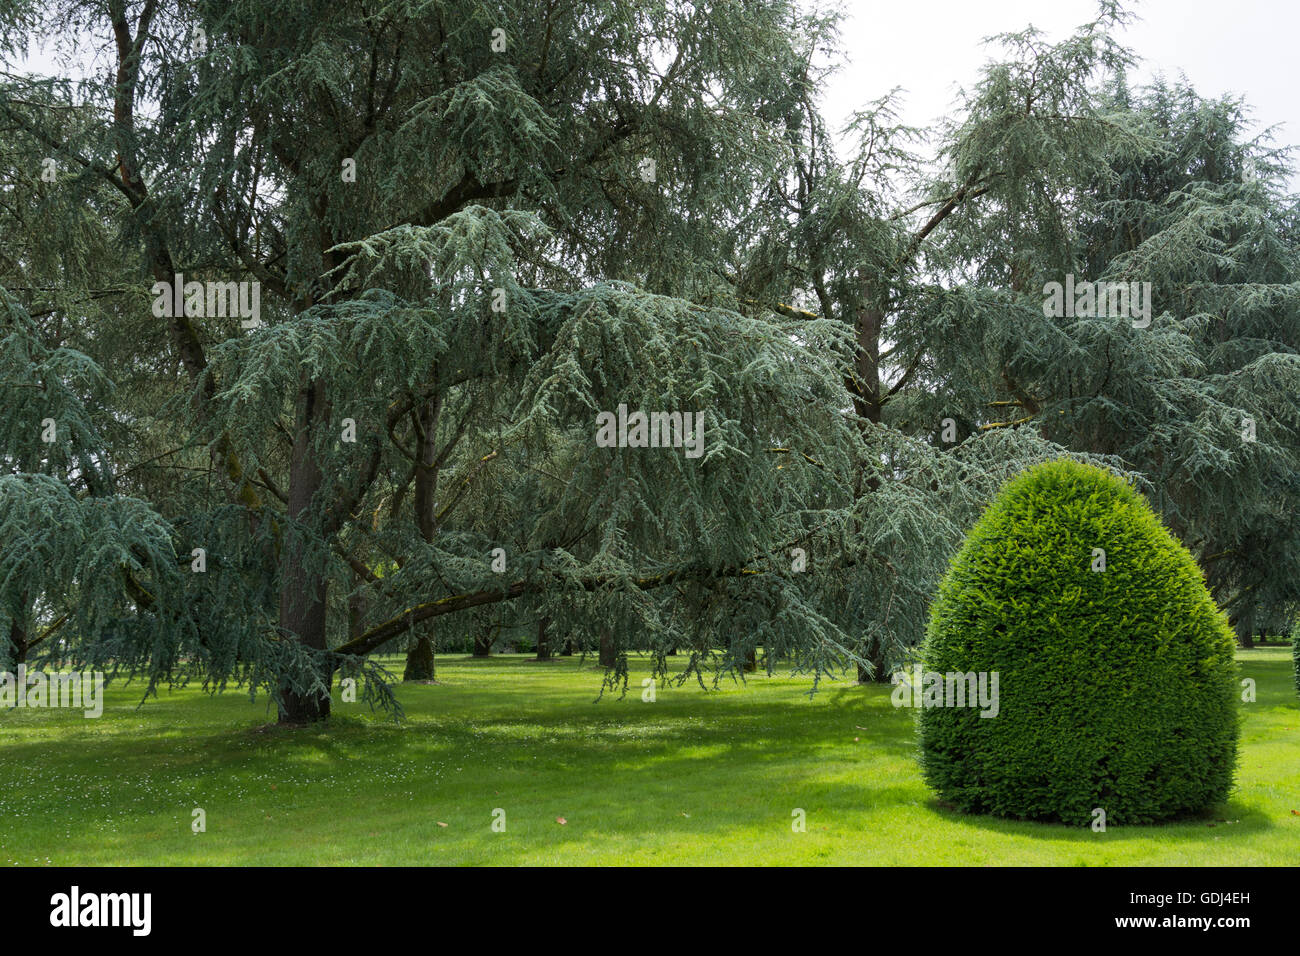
point(1116, 683)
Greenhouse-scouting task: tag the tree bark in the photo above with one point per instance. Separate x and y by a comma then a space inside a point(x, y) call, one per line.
point(869, 403)
point(608, 653)
point(420, 665)
point(879, 675)
point(543, 640)
point(419, 660)
point(356, 614)
point(483, 643)
point(17, 642)
point(304, 588)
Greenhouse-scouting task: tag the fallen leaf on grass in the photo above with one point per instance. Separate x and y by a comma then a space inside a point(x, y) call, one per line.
point(561, 821)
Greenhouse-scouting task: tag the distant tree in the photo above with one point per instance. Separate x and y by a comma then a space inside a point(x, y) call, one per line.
point(890, 253)
point(1201, 394)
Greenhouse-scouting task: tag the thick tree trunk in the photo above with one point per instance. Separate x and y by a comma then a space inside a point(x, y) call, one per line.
point(880, 674)
point(543, 639)
point(356, 614)
point(865, 388)
point(869, 403)
point(608, 654)
point(419, 660)
point(303, 588)
point(420, 664)
point(567, 650)
point(306, 618)
point(483, 644)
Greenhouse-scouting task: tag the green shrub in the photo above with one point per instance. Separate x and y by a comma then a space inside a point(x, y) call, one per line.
point(1117, 687)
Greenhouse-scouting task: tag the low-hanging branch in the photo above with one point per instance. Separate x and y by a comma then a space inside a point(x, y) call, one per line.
point(382, 633)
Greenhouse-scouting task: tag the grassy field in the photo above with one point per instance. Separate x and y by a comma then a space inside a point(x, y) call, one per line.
point(693, 778)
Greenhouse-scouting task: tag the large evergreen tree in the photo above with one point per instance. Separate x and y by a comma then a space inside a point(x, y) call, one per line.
point(445, 209)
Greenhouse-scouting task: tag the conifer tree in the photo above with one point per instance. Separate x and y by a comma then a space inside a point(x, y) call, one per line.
point(444, 210)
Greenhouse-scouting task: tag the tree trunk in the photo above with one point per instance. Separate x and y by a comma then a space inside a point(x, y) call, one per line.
point(420, 664)
point(17, 641)
point(608, 654)
point(483, 643)
point(304, 589)
point(419, 660)
point(868, 403)
point(880, 673)
point(543, 641)
point(750, 662)
point(567, 650)
point(356, 613)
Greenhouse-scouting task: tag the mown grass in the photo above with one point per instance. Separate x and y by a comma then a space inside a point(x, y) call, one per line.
point(693, 778)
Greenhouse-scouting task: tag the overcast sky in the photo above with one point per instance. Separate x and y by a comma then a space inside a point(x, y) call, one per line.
point(931, 48)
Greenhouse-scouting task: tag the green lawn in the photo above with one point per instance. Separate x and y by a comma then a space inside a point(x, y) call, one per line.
point(693, 778)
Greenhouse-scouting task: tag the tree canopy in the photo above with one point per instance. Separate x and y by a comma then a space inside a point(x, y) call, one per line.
point(434, 242)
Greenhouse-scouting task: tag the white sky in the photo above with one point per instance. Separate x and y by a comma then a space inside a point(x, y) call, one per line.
point(931, 48)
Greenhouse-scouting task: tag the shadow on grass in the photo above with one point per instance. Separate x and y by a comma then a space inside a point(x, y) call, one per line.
point(689, 765)
point(1233, 818)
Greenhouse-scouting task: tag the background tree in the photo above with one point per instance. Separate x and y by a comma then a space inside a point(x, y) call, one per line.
point(1204, 402)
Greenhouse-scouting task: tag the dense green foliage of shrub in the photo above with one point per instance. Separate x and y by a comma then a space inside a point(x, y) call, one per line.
point(1117, 687)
